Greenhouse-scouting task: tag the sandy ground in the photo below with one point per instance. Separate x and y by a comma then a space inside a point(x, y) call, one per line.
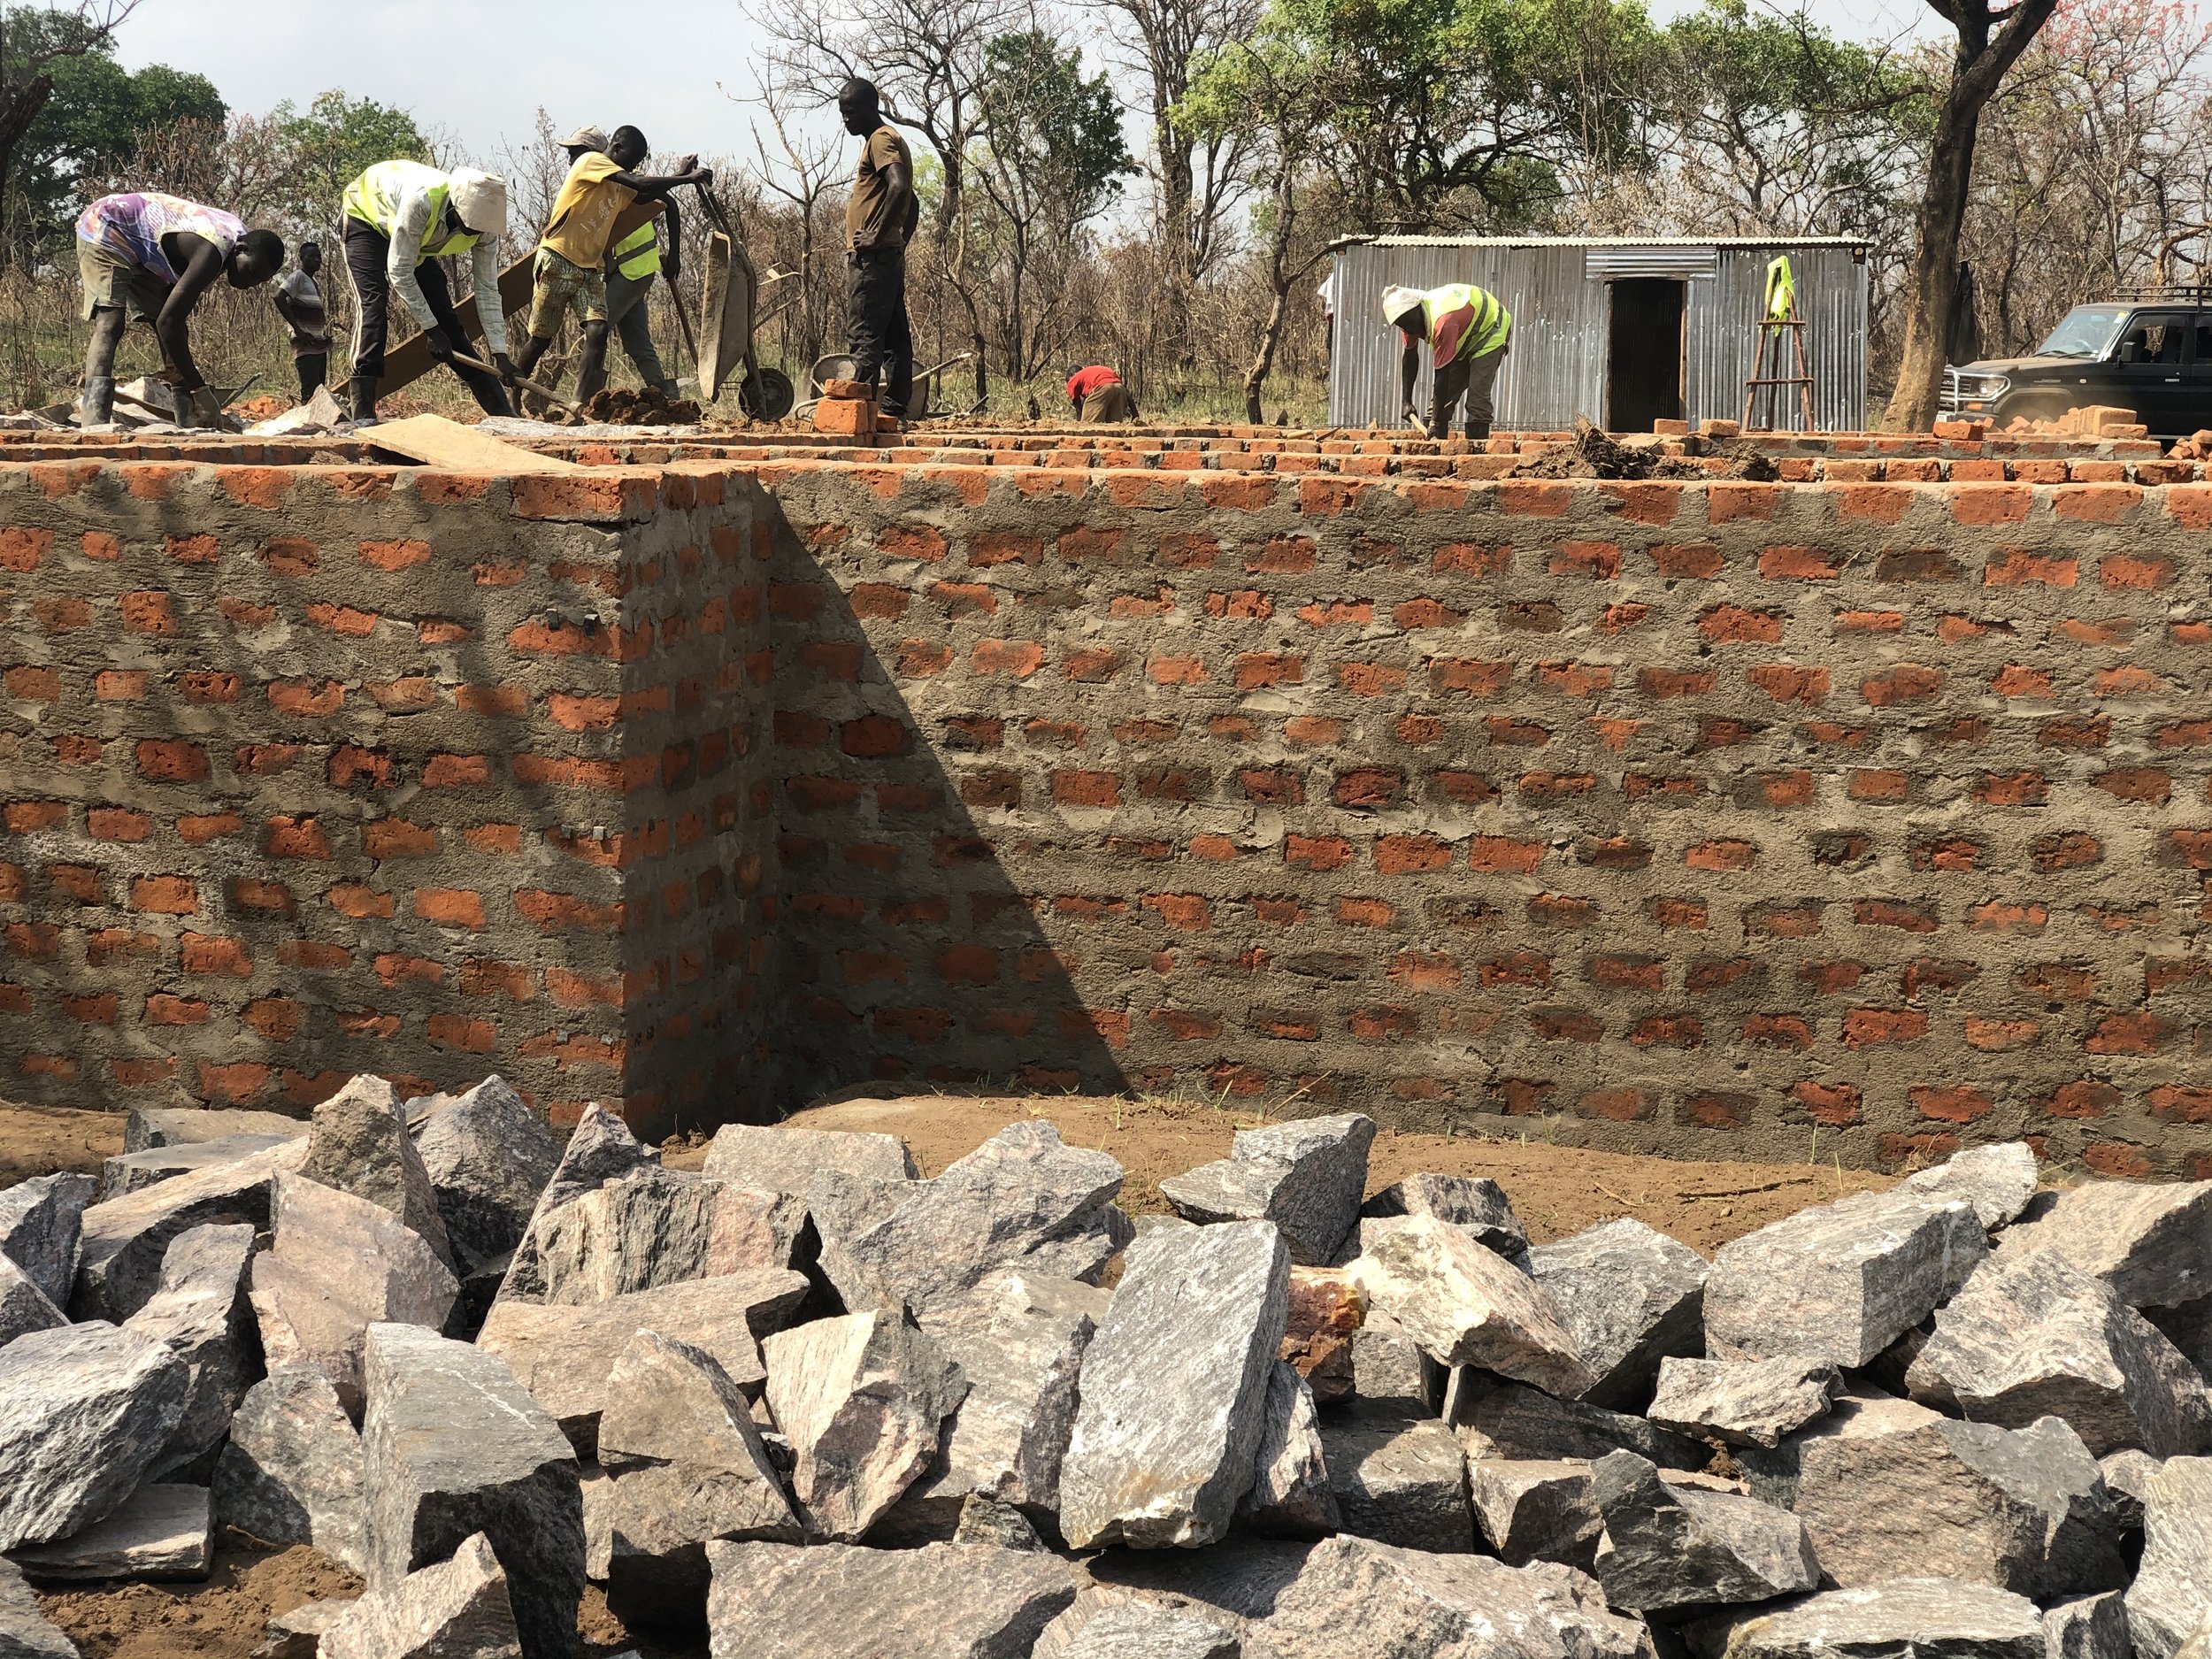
point(1557, 1190)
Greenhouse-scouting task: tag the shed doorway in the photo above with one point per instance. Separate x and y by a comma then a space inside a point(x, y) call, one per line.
point(1643, 353)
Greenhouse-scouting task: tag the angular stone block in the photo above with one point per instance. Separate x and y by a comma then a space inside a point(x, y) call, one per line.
point(118, 1261)
point(836, 1601)
point(1305, 1175)
point(489, 1157)
point(662, 1227)
point(357, 1142)
point(202, 1312)
point(84, 1411)
point(24, 1306)
point(1469, 1306)
point(1901, 1616)
point(1474, 1203)
point(1527, 1423)
point(2150, 1241)
point(1666, 1547)
point(1743, 1401)
point(148, 1127)
point(2171, 1596)
point(779, 1158)
point(1630, 1297)
point(25, 1631)
point(1291, 1496)
point(159, 1532)
point(1997, 1180)
point(1537, 1510)
point(133, 1172)
point(600, 1148)
point(39, 1222)
point(293, 1470)
point(458, 1608)
point(1398, 1480)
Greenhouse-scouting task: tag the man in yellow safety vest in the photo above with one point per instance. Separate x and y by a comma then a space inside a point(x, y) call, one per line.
point(401, 218)
point(1468, 330)
point(632, 265)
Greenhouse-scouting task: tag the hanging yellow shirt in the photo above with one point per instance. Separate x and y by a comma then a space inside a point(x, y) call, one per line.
point(585, 211)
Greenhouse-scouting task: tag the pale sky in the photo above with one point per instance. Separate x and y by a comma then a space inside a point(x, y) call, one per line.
point(656, 66)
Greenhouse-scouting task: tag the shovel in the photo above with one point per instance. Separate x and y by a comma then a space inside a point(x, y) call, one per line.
point(463, 360)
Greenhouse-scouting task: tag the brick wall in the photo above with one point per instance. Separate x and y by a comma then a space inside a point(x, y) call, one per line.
point(316, 769)
point(1691, 817)
point(1687, 817)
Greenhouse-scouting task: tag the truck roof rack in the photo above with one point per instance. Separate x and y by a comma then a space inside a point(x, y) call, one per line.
point(2192, 292)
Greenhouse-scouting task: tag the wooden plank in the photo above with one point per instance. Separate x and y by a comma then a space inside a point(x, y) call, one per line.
point(437, 441)
point(409, 360)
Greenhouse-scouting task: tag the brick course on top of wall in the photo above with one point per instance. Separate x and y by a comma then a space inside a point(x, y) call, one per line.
point(1684, 817)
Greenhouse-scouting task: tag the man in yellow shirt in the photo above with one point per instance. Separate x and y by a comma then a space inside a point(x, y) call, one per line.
point(573, 250)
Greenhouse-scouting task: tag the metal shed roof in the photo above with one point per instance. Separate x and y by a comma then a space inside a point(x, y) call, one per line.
point(1597, 242)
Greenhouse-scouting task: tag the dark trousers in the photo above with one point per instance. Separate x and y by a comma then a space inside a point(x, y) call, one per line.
point(628, 308)
point(1475, 377)
point(366, 251)
point(310, 367)
point(882, 340)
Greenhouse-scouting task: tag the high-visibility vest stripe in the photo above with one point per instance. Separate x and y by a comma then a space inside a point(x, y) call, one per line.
point(373, 199)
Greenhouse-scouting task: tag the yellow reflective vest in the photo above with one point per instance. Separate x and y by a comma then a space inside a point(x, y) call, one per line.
point(375, 197)
point(638, 254)
point(1464, 319)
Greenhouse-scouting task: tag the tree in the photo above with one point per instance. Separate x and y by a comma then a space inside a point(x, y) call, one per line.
point(70, 113)
point(1990, 42)
point(1053, 156)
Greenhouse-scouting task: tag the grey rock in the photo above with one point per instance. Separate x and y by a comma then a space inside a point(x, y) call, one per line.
point(1355, 1596)
point(1866, 1413)
point(2127, 1476)
point(297, 1633)
point(1138, 1630)
point(359, 1143)
point(1666, 1547)
point(341, 1265)
point(293, 1470)
point(2189, 1328)
point(40, 1220)
point(455, 1445)
point(119, 1262)
point(1291, 1496)
point(133, 1172)
point(1841, 1281)
point(25, 1631)
point(2031, 1335)
point(1745, 1402)
point(688, 1467)
point(1997, 1180)
point(1630, 1297)
point(158, 1532)
point(1524, 1423)
point(1019, 1341)
point(2151, 1241)
point(2023, 1510)
point(779, 1158)
point(1474, 1203)
point(458, 1609)
point(659, 1228)
point(600, 1148)
point(1398, 1480)
point(862, 1400)
point(2088, 1627)
point(1468, 1306)
point(488, 1156)
point(1021, 1199)
point(566, 1356)
point(150, 1126)
point(1174, 1388)
point(836, 1601)
point(842, 1207)
point(986, 1521)
point(1941, 1619)
point(1305, 1175)
point(2172, 1593)
point(1537, 1510)
point(200, 1311)
point(1388, 1364)
point(1230, 1584)
point(84, 1411)
point(24, 1306)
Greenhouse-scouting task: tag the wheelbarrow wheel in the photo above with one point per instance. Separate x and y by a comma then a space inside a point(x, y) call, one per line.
point(767, 395)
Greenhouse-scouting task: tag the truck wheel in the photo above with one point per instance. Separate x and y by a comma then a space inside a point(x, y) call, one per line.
point(2032, 406)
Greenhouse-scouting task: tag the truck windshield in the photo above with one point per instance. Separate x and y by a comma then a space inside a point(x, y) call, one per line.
point(2086, 331)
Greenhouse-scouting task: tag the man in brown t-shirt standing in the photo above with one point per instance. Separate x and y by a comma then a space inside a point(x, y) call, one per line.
point(878, 220)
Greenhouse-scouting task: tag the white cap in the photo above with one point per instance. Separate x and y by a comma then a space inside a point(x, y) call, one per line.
point(1397, 302)
point(480, 200)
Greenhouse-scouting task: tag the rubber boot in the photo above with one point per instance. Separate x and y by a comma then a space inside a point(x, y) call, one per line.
point(670, 390)
point(95, 405)
point(363, 390)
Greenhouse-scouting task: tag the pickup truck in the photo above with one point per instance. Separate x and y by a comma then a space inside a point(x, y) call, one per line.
point(2153, 356)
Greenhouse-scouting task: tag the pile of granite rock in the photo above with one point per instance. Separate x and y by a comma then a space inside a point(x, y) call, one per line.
point(802, 1402)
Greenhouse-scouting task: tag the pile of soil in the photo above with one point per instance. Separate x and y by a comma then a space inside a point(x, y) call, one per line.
point(645, 406)
point(1595, 453)
point(224, 1618)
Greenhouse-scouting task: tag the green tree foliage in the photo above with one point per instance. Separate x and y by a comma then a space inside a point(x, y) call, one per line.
point(94, 118)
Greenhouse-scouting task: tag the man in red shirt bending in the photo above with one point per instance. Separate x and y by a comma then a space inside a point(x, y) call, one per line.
point(1098, 395)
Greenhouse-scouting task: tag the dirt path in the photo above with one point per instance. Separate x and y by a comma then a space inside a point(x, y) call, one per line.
point(39, 1140)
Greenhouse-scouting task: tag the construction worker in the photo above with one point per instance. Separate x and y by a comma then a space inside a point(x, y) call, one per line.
point(1468, 330)
point(148, 255)
point(299, 301)
point(401, 218)
point(879, 219)
point(1098, 395)
point(573, 250)
point(632, 265)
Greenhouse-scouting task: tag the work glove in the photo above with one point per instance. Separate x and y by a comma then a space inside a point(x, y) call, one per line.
point(505, 365)
point(202, 407)
point(441, 348)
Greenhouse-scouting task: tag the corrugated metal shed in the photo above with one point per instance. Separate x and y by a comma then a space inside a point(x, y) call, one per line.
point(1561, 292)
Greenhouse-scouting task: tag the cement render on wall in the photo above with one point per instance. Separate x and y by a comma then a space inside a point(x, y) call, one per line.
point(1690, 817)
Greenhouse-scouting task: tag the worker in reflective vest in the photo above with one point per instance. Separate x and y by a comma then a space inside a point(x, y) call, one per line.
point(1468, 330)
point(401, 218)
point(632, 265)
